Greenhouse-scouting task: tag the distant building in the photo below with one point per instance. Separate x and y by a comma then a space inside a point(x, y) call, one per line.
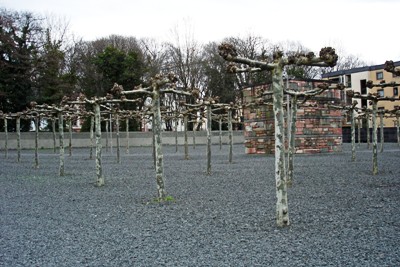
point(356, 80)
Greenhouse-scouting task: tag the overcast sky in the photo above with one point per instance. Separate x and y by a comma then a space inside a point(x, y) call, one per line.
point(365, 28)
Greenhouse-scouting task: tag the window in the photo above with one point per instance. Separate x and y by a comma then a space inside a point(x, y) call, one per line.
point(363, 86)
point(348, 79)
point(395, 91)
point(379, 75)
point(381, 93)
point(364, 103)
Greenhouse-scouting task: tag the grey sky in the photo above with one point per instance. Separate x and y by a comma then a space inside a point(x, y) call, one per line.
point(364, 28)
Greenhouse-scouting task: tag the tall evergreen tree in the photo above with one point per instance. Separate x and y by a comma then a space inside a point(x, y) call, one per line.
point(18, 46)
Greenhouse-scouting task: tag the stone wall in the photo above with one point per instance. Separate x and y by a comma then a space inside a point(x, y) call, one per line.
point(319, 129)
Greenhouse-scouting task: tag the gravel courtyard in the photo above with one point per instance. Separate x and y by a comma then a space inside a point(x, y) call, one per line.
point(341, 215)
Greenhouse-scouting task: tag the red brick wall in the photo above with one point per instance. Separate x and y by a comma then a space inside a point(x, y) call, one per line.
point(319, 129)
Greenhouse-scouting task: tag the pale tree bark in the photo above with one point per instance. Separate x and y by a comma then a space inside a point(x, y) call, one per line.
point(99, 170)
point(70, 135)
point(61, 143)
point(107, 131)
point(185, 122)
point(327, 57)
point(111, 134)
point(282, 209)
point(155, 91)
point(230, 130)
point(91, 136)
point(18, 122)
point(353, 134)
point(53, 124)
point(118, 141)
point(127, 134)
point(359, 131)
point(194, 135)
point(367, 115)
point(220, 132)
point(374, 139)
point(5, 138)
point(209, 139)
point(292, 119)
point(162, 193)
point(176, 135)
point(36, 142)
point(374, 99)
point(382, 137)
point(398, 130)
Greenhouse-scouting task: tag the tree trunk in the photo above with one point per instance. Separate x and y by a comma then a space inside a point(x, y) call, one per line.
point(18, 139)
point(230, 129)
point(194, 136)
point(5, 138)
point(61, 142)
point(158, 145)
point(111, 135)
point(282, 211)
point(107, 130)
point(381, 129)
point(353, 135)
point(127, 135)
point(398, 130)
point(368, 136)
point(185, 122)
point(70, 135)
point(53, 124)
point(91, 136)
point(36, 142)
point(220, 133)
point(291, 138)
point(99, 170)
point(118, 142)
point(374, 139)
point(176, 134)
point(359, 131)
point(208, 139)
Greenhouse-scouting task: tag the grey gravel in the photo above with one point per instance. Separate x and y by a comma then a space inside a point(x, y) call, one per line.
point(341, 214)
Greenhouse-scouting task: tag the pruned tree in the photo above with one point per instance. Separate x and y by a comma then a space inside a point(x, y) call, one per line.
point(327, 57)
point(374, 99)
point(160, 84)
point(295, 95)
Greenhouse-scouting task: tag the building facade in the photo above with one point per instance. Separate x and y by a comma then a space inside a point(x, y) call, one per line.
point(356, 80)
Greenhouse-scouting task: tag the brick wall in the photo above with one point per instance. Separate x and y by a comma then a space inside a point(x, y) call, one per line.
point(319, 129)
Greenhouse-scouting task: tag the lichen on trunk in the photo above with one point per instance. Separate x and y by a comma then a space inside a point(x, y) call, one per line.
point(230, 130)
point(282, 210)
point(374, 139)
point(18, 122)
point(99, 170)
point(158, 144)
point(353, 134)
point(61, 142)
point(36, 142)
point(209, 139)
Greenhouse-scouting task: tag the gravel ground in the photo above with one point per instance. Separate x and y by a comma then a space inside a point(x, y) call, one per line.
point(341, 215)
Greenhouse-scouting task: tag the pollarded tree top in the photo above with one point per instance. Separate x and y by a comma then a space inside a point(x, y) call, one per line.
point(390, 67)
point(327, 58)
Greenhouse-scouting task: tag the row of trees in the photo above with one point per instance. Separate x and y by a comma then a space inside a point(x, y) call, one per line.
point(41, 61)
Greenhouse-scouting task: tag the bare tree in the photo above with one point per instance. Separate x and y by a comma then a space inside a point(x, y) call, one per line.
point(327, 57)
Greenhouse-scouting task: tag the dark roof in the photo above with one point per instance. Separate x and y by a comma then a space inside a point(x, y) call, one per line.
point(355, 70)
